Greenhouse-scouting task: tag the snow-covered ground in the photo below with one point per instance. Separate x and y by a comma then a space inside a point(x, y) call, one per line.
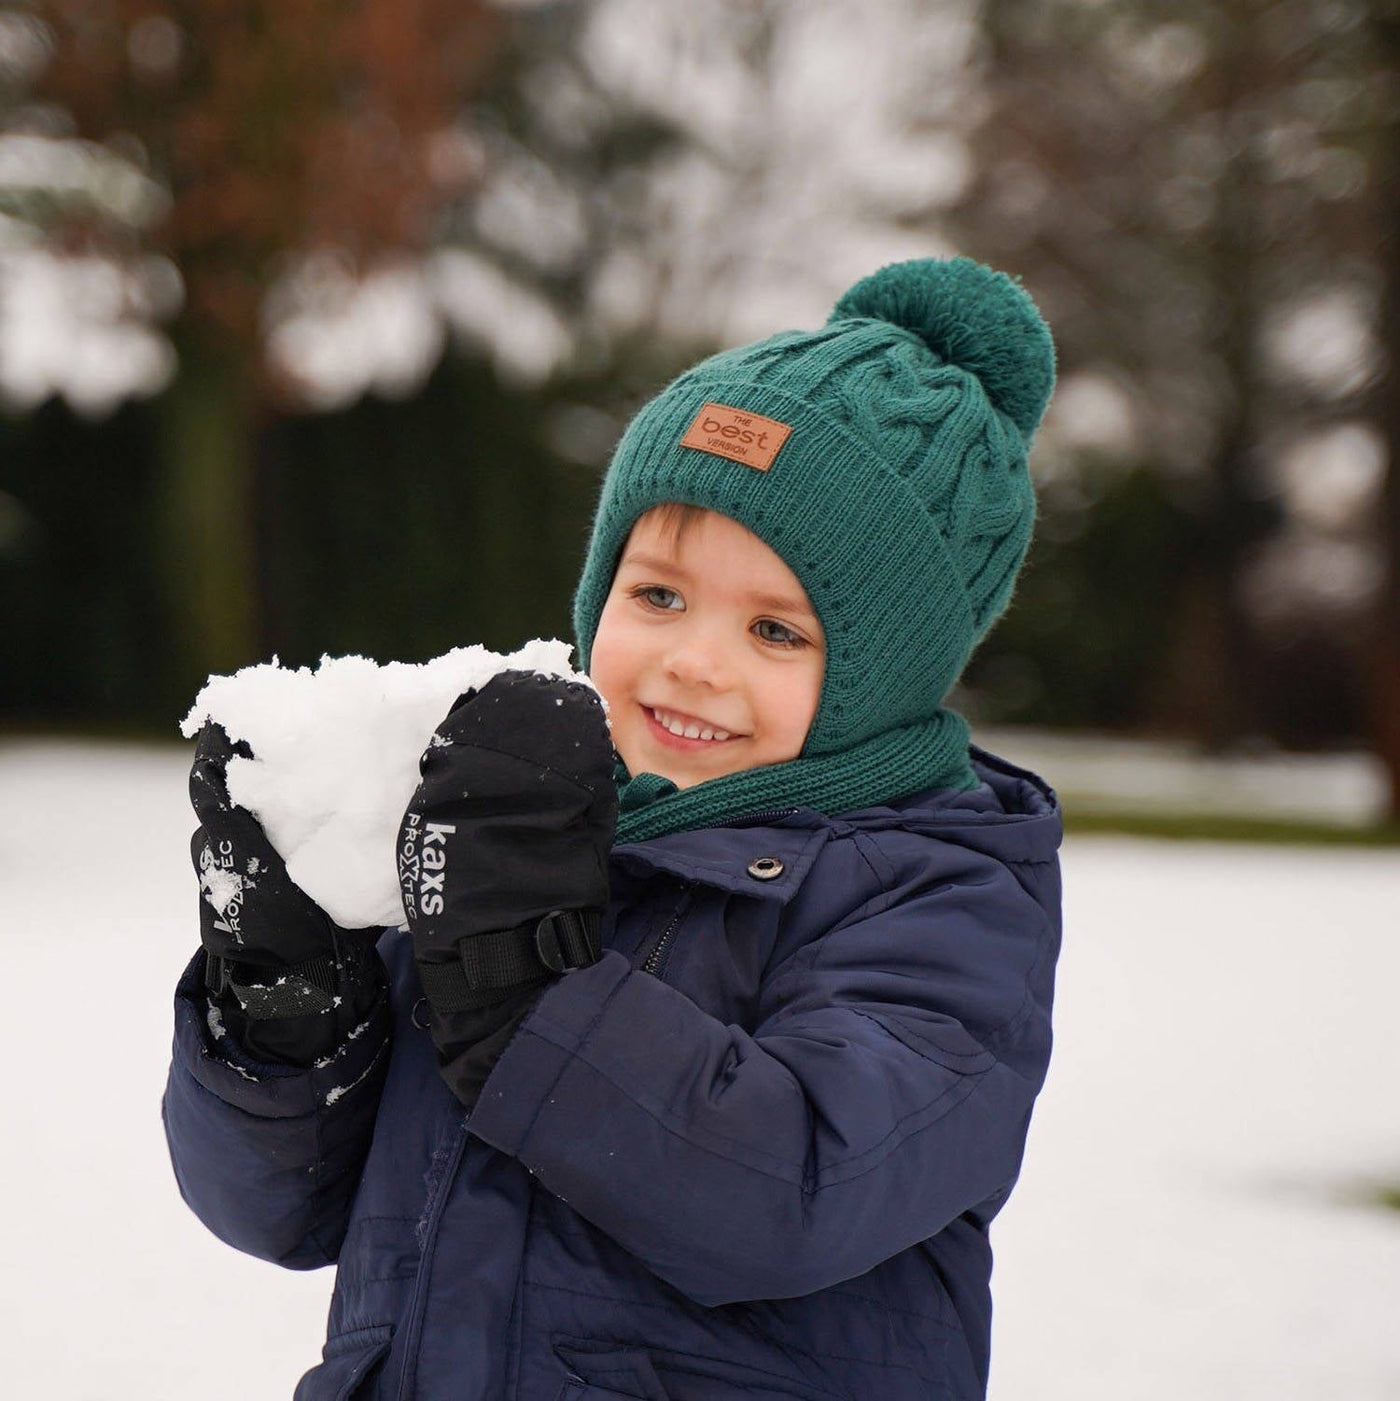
point(1192, 1220)
point(1102, 773)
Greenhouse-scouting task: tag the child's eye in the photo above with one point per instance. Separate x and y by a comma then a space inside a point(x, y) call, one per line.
point(770, 630)
point(658, 596)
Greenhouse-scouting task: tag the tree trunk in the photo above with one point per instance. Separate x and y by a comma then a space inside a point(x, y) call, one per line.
point(206, 504)
point(1234, 523)
point(1382, 673)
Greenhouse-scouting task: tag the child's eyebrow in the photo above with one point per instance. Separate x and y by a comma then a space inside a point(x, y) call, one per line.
point(668, 566)
point(779, 603)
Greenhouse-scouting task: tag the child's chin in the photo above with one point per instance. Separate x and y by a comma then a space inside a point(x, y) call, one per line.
point(686, 775)
point(682, 778)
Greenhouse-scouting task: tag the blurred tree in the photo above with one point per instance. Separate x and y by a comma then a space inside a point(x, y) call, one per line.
point(595, 159)
point(1187, 186)
point(270, 128)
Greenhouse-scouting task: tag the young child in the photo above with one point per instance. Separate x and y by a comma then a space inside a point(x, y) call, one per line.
point(719, 1101)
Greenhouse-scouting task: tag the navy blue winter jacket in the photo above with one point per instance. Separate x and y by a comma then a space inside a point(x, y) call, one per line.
point(753, 1152)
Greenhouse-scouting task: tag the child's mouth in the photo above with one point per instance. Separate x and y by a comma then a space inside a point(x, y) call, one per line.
point(684, 731)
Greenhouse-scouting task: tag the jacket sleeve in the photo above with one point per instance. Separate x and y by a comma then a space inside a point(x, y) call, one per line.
point(269, 1156)
point(885, 1090)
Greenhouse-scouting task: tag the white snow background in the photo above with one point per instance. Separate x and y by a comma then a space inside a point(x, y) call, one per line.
point(1192, 1220)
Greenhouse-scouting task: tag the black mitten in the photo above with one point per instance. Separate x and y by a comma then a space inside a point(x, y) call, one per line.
point(503, 857)
point(291, 983)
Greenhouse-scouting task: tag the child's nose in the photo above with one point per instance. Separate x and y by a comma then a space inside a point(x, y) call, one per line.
point(697, 660)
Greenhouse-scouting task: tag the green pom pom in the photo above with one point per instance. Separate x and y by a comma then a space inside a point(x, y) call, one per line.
point(972, 317)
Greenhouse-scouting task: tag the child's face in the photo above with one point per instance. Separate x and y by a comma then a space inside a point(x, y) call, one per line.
point(712, 635)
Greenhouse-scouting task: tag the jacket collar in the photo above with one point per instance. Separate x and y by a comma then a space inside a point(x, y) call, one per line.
point(737, 858)
point(1013, 816)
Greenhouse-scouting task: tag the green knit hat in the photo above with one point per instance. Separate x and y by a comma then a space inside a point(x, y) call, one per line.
point(883, 457)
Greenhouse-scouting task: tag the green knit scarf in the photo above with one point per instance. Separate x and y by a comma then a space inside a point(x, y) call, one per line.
point(910, 759)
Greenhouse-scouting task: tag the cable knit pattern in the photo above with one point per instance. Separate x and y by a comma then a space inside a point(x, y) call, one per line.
point(901, 500)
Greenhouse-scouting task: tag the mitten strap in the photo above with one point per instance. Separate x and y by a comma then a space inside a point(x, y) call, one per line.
point(297, 990)
point(490, 966)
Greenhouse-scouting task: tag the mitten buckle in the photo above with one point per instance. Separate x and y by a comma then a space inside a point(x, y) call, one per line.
point(567, 939)
point(493, 965)
point(216, 974)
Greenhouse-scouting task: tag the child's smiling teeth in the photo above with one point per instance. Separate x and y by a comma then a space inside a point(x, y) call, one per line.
point(687, 729)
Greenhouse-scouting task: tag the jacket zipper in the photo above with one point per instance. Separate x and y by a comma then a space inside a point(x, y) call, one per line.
point(659, 954)
point(655, 964)
point(748, 817)
point(656, 960)
point(430, 1234)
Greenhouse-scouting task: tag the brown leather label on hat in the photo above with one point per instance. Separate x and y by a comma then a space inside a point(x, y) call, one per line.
point(742, 437)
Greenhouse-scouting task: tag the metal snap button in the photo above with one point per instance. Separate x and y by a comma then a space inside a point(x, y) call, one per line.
point(765, 868)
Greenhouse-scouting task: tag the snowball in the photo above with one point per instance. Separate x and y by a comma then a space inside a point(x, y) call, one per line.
point(336, 760)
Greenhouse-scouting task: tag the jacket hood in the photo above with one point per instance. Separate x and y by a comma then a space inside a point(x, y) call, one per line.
point(1012, 814)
